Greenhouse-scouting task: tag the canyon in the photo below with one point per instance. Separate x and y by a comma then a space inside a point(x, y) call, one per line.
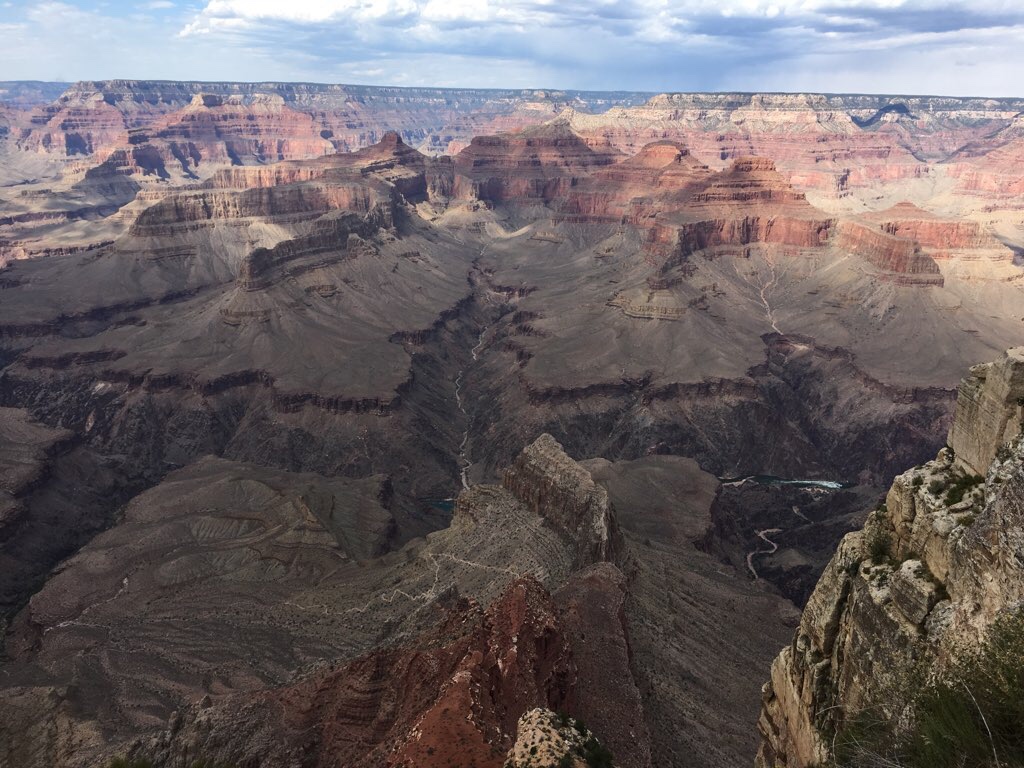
point(361, 426)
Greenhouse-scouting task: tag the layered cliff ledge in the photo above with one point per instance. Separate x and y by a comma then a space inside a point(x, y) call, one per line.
point(933, 570)
point(558, 489)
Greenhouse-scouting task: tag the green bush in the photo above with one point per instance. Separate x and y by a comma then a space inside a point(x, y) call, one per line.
point(960, 486)
point(596, 754)
point(970, 717)
point(918, 481)
point(879, 546)
point(935, 487)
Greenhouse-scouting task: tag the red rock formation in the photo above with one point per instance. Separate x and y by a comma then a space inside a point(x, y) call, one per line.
point(812, 137)
point(455, 694)
point(454, 702)
point(213, 130)
point(635, 189)
point(539, 164)
point(748, 203)
point(358, 182)
point(942, 238)
point(199, 124)
point(898, 259)
point(79, 125)
point(995, 174)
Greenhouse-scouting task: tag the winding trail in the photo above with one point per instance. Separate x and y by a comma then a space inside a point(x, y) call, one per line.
point(464, 459)
point(77, 621)
point(773, 548)
point(424, 597)
point(769, 284)
point(463, 452)
point(762, 292)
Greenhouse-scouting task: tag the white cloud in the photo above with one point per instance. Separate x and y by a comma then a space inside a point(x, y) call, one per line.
point(966, 46)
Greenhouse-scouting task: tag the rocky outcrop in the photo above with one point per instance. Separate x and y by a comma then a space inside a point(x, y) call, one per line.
point(895, 258)
point(554, 486)
point(26, 448)
point(546, 738)
point(336, 237)
point(934, 567)
point(989, 411)
point(538, 164)
point(186, 210)
point(832, 144)
point(634, 190)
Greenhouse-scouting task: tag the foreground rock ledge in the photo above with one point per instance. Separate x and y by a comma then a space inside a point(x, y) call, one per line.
point(929, 574)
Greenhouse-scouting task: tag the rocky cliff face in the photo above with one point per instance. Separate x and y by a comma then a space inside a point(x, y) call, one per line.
point(835, 145)
point(564, 494)
point(199, 124)
point(422, 659)
point(934, 567)
point(989, 410)
point(536, 165)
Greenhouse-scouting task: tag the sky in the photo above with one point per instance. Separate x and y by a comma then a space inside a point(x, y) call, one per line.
point(945, 47)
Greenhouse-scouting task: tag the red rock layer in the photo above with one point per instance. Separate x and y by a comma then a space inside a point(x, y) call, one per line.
point(942, 238)
point(901, 258)
point(813, 140)
point(217, 131)
point(659, 177)
point(750, 202)
point(749, 180)
point(305, 201)
point(540, 165)
point(995, 174)
point(358, 182)
point(454, 694)
point(453, 700)
point(91, 126)
point(196, 124)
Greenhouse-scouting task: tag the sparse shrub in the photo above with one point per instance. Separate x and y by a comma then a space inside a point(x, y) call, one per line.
point(935, 487)
point(596, 754)
point(967, 520)
point(960, 486)
point(917, 482)
point(972, 716)
point(879, 546)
